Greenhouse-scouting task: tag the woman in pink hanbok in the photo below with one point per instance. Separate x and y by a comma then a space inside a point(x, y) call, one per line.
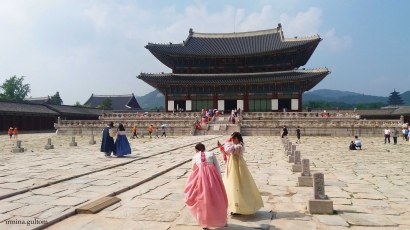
point(205, 194)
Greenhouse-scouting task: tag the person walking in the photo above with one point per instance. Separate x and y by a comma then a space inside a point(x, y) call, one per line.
point(395, 133)
point(387, 135)
point(134, 132)
point(404, 133)
point(163, 132)
point(107, 143)
point(150, 131)
point(16, 132)
point(284, 131)
point(10, 132)
point(298, 135)
point(122, 146)
point(205, 195)
point(156, 133)
point(407, 134)
point(243, 194)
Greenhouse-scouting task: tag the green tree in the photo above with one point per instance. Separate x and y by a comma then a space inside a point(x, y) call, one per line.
point(56, 99)
point(106, 104)
point(13, 89)
point(78, 104)
point(361, 106)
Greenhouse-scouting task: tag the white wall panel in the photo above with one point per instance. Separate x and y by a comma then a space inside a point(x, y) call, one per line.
point(275, 104)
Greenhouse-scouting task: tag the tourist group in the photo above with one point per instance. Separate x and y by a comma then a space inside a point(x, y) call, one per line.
point(209, 197)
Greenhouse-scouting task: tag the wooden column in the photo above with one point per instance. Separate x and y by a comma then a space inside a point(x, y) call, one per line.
point(245, 101)
point(166, 102)
point(215, 100)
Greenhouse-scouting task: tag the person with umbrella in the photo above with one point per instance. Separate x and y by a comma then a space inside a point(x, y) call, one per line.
point(163, 130)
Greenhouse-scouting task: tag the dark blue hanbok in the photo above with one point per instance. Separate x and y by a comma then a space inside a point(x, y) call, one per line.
point(107, 144)
point(122, 146)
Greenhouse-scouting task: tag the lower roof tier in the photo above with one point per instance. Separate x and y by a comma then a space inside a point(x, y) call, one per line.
point(306, 79)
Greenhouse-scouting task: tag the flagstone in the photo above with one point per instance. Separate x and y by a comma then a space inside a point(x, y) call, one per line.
point(332, 220)
point(361, 219)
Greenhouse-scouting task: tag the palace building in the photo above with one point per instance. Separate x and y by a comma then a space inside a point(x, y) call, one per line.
point(255, 71)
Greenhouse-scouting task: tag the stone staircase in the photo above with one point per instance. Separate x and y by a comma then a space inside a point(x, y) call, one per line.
point(221, 125)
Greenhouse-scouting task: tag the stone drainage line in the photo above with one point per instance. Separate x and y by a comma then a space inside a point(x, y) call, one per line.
point(72, 211)
point(91, 172)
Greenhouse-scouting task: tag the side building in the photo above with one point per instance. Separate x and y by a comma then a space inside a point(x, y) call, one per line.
point(118, 103)
point(253, 71)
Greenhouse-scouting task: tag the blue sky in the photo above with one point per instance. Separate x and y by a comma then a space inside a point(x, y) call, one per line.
point(84, 47)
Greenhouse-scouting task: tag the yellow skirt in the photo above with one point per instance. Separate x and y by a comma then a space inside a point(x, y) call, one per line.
point(243, 195)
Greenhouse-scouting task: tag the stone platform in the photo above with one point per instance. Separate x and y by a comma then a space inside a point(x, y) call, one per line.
point(369, 188)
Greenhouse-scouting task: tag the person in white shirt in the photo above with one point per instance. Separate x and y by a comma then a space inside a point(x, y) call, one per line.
point(387, 135)
point(358, 142)
point(404, 134)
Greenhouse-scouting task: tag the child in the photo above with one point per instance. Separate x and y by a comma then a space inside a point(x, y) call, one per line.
point(16, 132)
point(11, 132)
point(134, 132)
point(156, 133)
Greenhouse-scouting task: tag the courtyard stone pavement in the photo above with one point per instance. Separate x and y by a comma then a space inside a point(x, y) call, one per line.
point(370, 188)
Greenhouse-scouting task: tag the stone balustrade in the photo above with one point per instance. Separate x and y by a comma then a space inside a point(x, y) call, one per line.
point(295, 115)
point(151, 116)
point(320, 122)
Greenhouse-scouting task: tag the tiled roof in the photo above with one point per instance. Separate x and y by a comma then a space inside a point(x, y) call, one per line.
point(237, 78)
point(38, 100)
point(67, 109)
point(233, 44)
point(375, 112)
point(402, 110)
point(15, 107)
point(118, 102)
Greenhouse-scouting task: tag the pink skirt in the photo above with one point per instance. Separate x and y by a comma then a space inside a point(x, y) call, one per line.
point(205, 197)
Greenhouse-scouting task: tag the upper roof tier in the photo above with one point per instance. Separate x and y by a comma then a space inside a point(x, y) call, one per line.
point(233, 44)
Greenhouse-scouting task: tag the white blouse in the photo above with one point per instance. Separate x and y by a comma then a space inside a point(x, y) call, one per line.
point(210, 158)
point(121, 133)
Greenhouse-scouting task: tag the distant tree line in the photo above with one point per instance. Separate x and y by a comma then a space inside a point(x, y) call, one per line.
point(341, 105)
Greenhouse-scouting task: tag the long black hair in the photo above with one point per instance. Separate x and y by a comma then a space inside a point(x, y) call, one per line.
point(239, 136)
point(200, 147)
point(121, 127)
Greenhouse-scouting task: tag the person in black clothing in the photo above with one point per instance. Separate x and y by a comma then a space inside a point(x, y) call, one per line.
point(298, 135)
point(163, 131)
point(284, 131)
point(352, 146)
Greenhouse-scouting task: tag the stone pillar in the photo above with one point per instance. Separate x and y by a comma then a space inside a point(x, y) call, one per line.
point(320, 203)
point(18, 148)
point(49, 145)
point(291, 149)
point(297, 167)
point(305, 180)
point(92, 141)
point(73, 143)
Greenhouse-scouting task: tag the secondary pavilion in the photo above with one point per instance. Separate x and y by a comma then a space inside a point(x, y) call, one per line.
point(255, 71)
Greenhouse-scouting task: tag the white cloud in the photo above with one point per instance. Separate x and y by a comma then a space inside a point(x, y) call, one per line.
point(86, 47)
point(303, 24)
point(334, 43)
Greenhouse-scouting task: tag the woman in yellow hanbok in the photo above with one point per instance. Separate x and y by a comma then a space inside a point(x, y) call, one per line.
point(243, 195)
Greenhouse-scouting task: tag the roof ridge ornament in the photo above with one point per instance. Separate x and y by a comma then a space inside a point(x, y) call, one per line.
point(191, 32)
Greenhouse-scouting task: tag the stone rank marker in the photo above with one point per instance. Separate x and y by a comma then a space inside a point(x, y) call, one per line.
point(49, 145)
point(92, 141)
point(18, 148)
point(73, 143)
point(297, 167)
point(305, 180)
point(320, 204)
point(292, 149)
